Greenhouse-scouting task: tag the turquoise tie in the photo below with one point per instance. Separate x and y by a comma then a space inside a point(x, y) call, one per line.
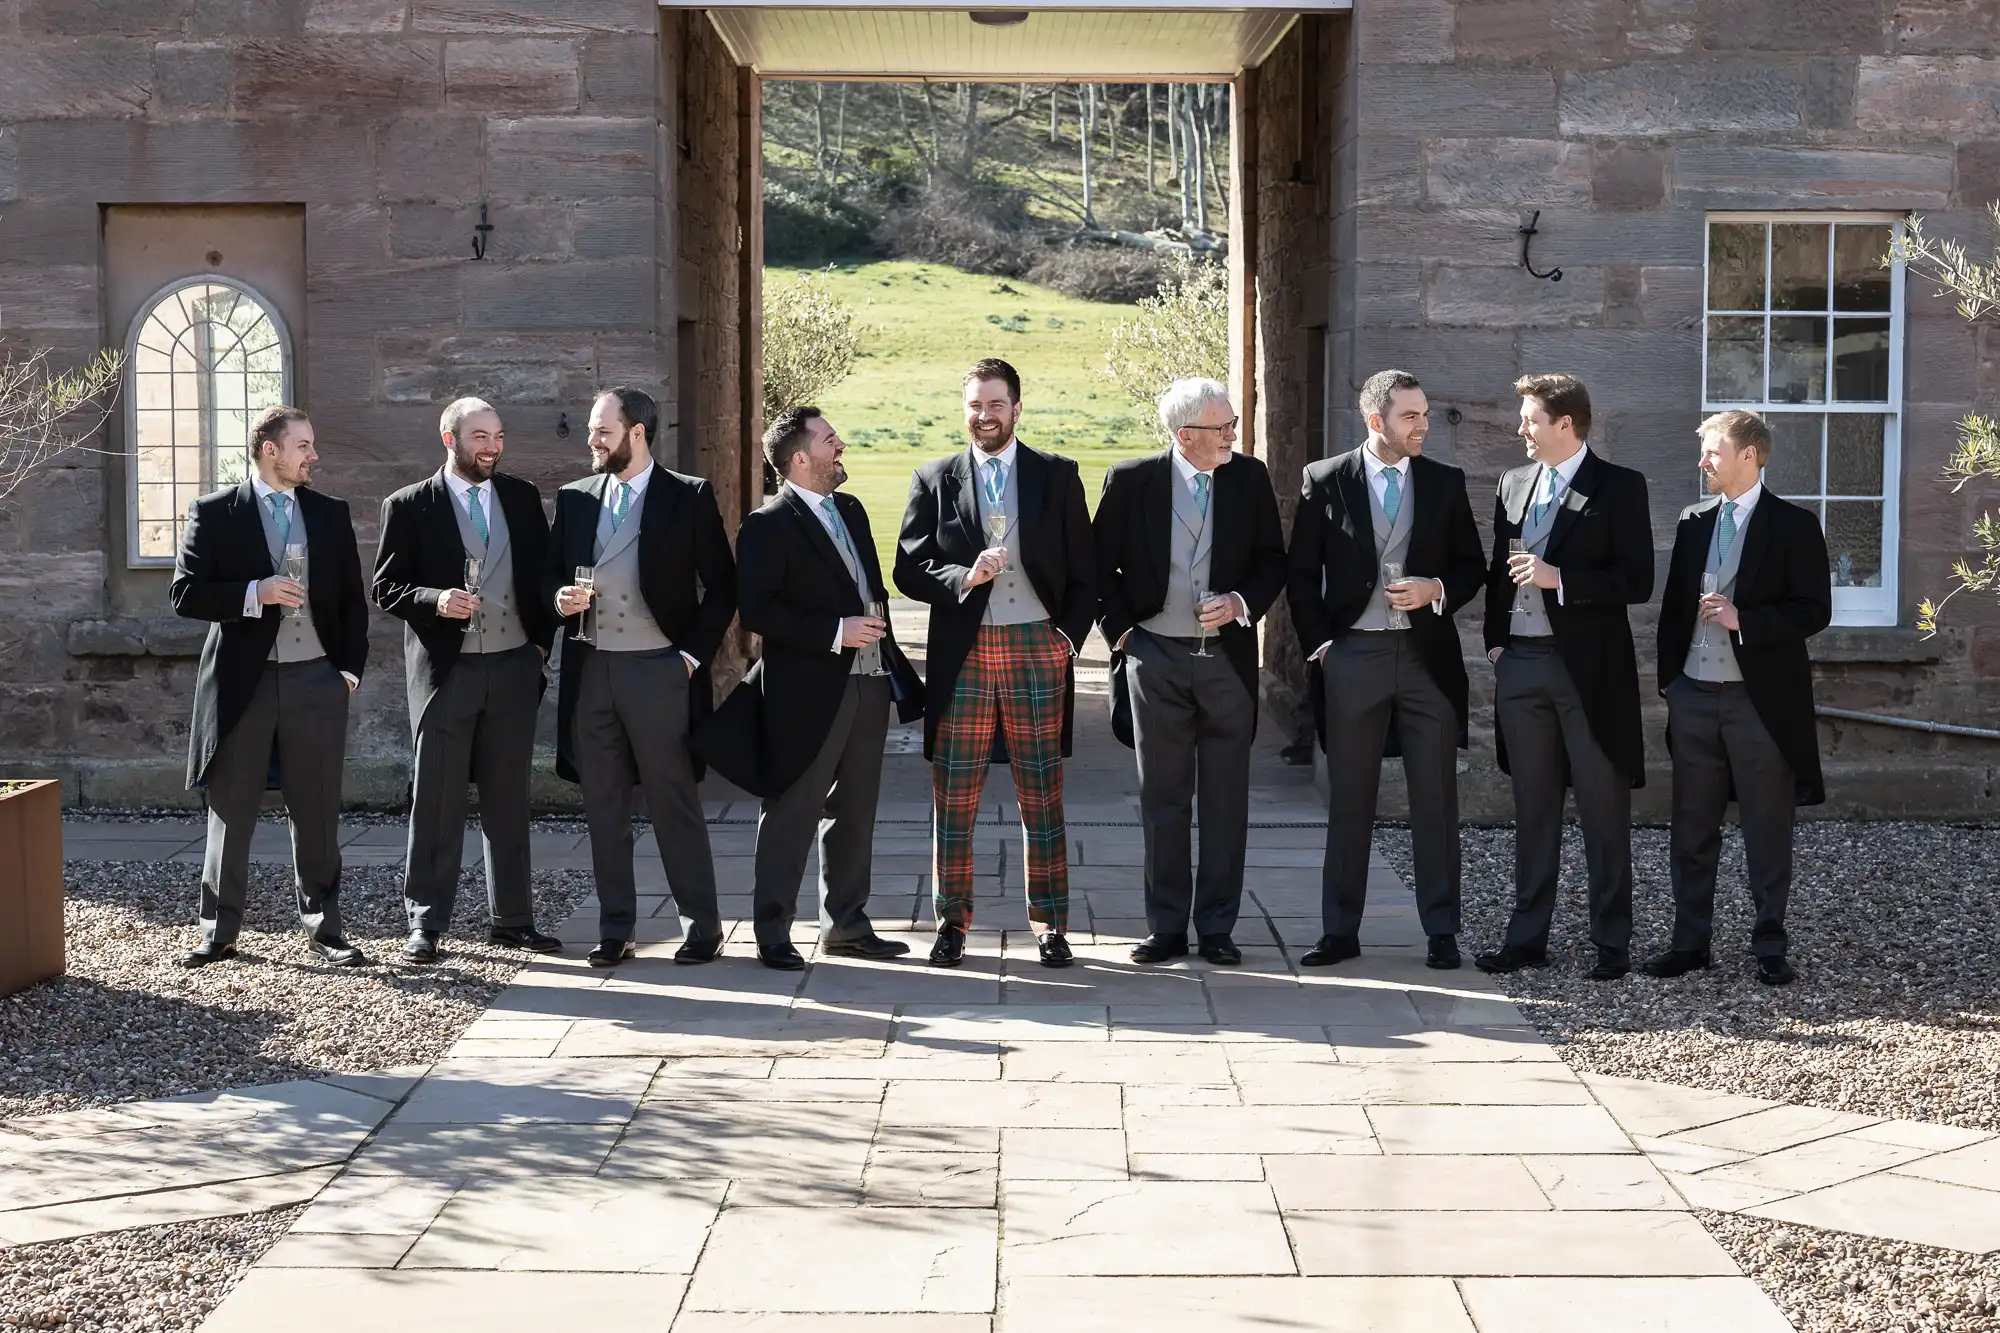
point(1549, 479)
point(478, 511)
point(618, 509)
point(1727, 535)
point(840, 530)
point(996, 485)
point(281, 514)
point(1392, 493)
point(1201, 493)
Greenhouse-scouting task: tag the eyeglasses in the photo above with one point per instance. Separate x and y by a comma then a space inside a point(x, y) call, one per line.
point(1227, 425)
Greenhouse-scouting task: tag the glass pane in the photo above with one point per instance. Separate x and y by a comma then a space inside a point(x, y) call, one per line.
point(156, 502)
point(1798, 266)
point(1861, 360)
point(1859, 280)
point(1798, 360)
point(1854, 542)
point(159, 539)
point(1794, 466)
point(1854, 453)
point(1735, 359)
point(1736, 266)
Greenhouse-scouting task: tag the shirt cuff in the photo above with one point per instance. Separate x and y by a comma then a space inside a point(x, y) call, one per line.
point(1320, 651)
point(693, 665)
point(839, 633)
point(1066, 642)
point(351, 679)
point(250, 608)
point(1560, 599)
point(1242, 609)
point(1437, 602)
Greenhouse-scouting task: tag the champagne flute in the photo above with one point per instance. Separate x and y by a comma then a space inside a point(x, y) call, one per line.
point(1710, 585)
point(996, 534)
point(586, 579)
point(880, 610)
point(295, 570)
point(1515, 546)
point(473, 623)
point(1392, 574)
point(1201, 597)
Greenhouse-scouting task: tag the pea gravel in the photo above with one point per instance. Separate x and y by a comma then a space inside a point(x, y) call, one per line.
point(128, 1022)
point(152, 1280)
point(1896, 1011)
point(1832, 1282)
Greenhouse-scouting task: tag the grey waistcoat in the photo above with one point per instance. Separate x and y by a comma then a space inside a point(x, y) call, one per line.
point(1013, 601)
point(298, 639)
point(1717, 661)
point(499, 615)
point(1392, 542)
point(867, 661)
point(1190, 545)
point(1531, 612)
point(623, 621)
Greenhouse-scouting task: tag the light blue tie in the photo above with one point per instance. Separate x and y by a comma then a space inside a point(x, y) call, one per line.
point(1201, 493)
point(281, 514)
point(996, 485)
point(618, 509)
point(1392, 493)
point(840, 530)
point(1727, 536)
point(1550, 478)
point(478, 511)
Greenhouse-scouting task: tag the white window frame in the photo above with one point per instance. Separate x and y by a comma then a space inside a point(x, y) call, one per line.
point(133, 560)
point(1851, 606)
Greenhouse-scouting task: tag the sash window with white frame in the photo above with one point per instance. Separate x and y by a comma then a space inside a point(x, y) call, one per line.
point(1805, 326)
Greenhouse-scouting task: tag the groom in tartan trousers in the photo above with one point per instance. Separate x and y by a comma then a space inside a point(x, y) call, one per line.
point(1007, 616)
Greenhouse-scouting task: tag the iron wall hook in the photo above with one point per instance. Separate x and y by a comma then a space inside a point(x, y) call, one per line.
point(1527, 239)
point(479, 234)
point(562, 426)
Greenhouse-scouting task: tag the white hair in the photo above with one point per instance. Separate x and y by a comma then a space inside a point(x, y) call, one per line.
point(1184, 400)
point(454, 416)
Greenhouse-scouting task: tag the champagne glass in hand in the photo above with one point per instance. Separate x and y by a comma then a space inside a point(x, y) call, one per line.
point(586, 579)
point(295, 570)
point(1202, 597)
point(1710, 585)
point(473, 624)
point(996, 534)
point(1515, 547)
point(1392, 574)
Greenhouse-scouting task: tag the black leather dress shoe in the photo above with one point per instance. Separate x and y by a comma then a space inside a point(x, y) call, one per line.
point(949, 951)
point(421, 947)
point(1221, 950)
point(870, 945)
point(1775, 971)
point(1511, 958)
point(692, 951)
point(1610, 966)
point(781, 958)
point(1159, 948)
point(610, 953)
point(1443, 953)
point(204, 954)
point(1332, 949)
point(337, 952)
point(524, 937)
point(1677, 963)
point(1054, 950)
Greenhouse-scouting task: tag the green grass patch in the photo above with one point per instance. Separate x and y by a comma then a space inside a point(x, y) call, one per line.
point(923, 324)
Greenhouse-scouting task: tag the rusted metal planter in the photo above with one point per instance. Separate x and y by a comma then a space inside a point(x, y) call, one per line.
point(31, 885)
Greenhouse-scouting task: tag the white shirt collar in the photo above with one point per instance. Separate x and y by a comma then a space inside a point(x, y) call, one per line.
point(1745, 502)
point(638, 485)
point(813, 500)
point(265, 492)
point(1006, 456)
point(1187, 471)
point(1567, 468)
point(459, 486)
point(1376, 467)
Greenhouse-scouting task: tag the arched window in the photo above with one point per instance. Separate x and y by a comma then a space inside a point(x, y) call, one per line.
point(205, 356)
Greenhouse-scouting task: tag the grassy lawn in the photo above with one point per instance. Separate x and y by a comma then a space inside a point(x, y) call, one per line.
point(924, 324)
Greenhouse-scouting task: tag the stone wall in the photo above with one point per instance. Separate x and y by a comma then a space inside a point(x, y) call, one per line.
point(391, 122)
point(1625, 122)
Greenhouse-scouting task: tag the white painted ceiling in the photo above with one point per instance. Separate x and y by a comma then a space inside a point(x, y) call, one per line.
point(1117, 40)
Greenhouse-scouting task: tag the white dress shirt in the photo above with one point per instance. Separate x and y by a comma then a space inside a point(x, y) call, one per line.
point(1378, 482)
point(1006, 457)
point(1187, 472)
point(1566, 470)
point(461, 491)
point(638, 491)
point(1744, 504)
point(252, 609)
point(816, 503)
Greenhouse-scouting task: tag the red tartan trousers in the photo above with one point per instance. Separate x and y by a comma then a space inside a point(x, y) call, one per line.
point(1017, 673)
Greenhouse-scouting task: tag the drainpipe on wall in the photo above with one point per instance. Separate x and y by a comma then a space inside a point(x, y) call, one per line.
point(1909, 724)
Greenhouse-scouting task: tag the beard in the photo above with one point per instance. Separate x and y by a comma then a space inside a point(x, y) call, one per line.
point(615, 460)
point(991, 439)
point(466, 464)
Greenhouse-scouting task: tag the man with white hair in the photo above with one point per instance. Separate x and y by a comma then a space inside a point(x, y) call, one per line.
point(1190, 553)
point(460, 564)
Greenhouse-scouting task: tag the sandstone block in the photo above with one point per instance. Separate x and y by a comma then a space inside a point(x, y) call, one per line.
point(1507, 171)
point(535, 16)
point(1412, 99)
point(237, 19)
point(620, 74)
point(300, 159)
point(515, 74)
point(60, 508)
point(1829, 93)
point(347, 233)
point(1647, 98)
point(1978, 173)
point(1670, 296)
point(497, 384)
point(106, 638)
point(329, 16)
point(10, 166)
point(1941, 27)
point(573, 295)
point(340, 369)
point(1638, 370)
point(1512, 297)
point(1624, 175)
point(1540, 29)
point(504, 368)
point(1466, 365)
point(61, 234)
point(340, 75)
point(430, 157)
point(1493, 236)
point(171, 636)
point(636, 359)
point(95, 77)
point(1404, 32)
point(1388, 295)
point(53, 587)
point(95, 18)
point(615, 228)
point(48, 297)
point(1954, 96)
point(1815, 26)
point(1662, 27)
point(193, 76)
point(1760, 176)
point(445, 231)
point(572, 157)
point(356, 301)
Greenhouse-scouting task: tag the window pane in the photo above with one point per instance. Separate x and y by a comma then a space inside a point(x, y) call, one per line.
point(157, 540)
point(1798, 360)
point(1736, 266)
point(1798, 266)
point(1735, 359)
point(1854, 453)
point(1861, 360)
point(1795, 442)
point(1854, 542)
point(1859, 280)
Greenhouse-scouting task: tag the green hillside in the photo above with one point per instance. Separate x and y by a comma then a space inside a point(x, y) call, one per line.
point(923, 325)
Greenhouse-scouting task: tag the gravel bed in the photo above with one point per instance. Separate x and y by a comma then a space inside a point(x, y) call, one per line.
point(128, 1022)
point(151, 1280)
point(1897, 1008)
point(1832, 1282)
